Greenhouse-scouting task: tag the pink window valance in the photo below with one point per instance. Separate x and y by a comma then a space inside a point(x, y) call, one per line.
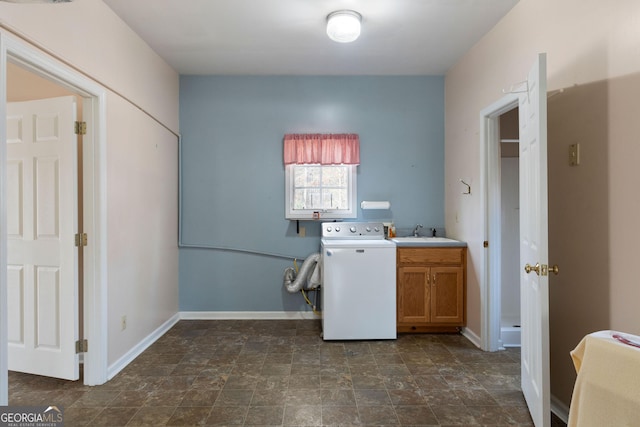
point(324, 149)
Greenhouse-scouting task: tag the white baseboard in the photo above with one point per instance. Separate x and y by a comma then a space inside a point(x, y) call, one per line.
point(471, 336)
point(128, 357)
point(560, 409)
point(248, 315)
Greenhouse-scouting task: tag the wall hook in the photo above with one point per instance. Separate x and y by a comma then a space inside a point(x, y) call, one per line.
point(468, 187)
point(514, 88)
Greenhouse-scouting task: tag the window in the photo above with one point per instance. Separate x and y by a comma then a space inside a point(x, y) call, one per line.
point(320, 175)
point(320, 191)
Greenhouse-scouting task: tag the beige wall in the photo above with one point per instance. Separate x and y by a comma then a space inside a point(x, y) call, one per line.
point(88, 35)
point(142, 253)
point(593, 208)
point(142, 166)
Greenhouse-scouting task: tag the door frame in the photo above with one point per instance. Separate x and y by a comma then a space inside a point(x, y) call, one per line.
point(490, 278)
point(13, 49)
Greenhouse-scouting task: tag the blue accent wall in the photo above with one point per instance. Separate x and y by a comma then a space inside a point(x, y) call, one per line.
point(233, 174)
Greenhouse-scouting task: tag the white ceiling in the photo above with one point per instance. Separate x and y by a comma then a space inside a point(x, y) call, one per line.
point(287, 37)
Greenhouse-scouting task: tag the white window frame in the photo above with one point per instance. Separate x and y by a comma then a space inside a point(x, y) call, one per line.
point(314, 214)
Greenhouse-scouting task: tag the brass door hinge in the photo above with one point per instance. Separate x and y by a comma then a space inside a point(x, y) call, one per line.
point(81, 239)
point(80, 128)
point(82, 346)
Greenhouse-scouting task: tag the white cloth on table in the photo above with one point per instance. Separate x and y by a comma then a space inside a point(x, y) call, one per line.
point(607, 390)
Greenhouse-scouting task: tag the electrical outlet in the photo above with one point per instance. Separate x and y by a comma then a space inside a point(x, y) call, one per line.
point(123, 323)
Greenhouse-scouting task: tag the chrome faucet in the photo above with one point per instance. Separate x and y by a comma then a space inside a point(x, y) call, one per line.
point(415, 230)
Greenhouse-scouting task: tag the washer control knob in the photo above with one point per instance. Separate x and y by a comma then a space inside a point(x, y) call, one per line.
point(352, 229)
point(337, 229)
point(369, 229)
point(328, 229)
point(376, 229)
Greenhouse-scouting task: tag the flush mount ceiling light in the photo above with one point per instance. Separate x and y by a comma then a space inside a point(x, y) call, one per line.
point(343, 26)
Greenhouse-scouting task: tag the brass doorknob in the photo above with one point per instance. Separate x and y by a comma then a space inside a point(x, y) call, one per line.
point(528, 269)
point(554, 269)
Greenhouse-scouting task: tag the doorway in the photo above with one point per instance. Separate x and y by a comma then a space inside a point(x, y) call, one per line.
point(531, 100)
point(501, 315)
point(492, 177)
point(509, 281)
point(44, 213)
point(18, 52)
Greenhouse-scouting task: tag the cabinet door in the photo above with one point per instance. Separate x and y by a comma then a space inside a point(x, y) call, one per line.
point(447, 299)
point(413, 294)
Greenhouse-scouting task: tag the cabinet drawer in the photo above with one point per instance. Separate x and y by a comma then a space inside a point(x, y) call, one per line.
point(430, 255)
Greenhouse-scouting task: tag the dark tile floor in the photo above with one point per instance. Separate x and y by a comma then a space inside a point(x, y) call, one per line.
point(281, 373)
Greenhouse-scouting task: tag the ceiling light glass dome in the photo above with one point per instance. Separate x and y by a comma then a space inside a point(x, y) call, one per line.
point(343, 26)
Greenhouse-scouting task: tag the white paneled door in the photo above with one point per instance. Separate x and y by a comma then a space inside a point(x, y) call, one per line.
point(534, 279)
point(41, 225)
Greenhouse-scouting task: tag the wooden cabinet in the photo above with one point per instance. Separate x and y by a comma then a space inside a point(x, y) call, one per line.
point(431, 285)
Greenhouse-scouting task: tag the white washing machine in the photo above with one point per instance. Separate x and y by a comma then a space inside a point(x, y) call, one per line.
point(358, 282)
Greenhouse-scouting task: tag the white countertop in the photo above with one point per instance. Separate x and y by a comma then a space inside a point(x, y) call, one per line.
point(427, 242)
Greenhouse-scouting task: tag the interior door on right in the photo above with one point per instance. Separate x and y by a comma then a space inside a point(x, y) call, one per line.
point(534, 285)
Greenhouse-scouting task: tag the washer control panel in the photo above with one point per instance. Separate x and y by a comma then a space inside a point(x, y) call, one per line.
point(352, 230)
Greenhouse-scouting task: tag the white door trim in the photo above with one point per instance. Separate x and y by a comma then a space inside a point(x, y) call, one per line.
point(490, 195)
point(94, 206)
point(4, 391)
